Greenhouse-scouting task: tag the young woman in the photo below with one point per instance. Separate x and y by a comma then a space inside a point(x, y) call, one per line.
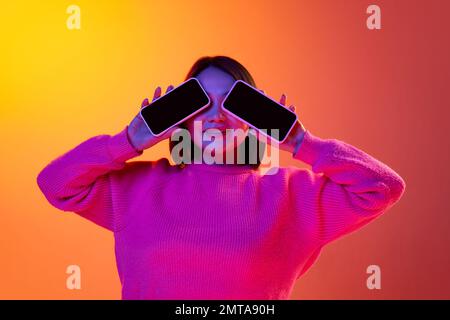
point(220, 231)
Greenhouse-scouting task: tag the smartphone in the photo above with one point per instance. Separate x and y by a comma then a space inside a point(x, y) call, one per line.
point(175, 106)
point(259, 111)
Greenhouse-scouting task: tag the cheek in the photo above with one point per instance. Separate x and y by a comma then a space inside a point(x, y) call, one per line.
point(237, 124)
point(189, 124)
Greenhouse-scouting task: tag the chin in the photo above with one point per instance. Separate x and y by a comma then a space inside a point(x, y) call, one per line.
point(218, 149)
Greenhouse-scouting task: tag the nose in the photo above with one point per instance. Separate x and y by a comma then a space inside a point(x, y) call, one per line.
point(215, 112)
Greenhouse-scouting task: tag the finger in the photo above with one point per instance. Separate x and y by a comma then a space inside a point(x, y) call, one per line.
point(157, 93)
point(262, 91)
point(144, 103)
point(283, 99)
point(292, 108)
point(169, 88)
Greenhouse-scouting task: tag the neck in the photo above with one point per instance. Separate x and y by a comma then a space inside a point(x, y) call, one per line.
point(217, 167)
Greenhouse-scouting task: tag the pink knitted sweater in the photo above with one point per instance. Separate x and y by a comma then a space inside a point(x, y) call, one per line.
point(216, 232)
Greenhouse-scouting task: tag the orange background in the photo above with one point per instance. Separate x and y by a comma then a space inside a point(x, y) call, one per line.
point(384, 91)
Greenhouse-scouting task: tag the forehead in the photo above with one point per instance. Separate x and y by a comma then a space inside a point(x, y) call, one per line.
point(215, 80)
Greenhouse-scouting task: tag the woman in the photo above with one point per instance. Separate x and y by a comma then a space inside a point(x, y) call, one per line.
point(220, 231)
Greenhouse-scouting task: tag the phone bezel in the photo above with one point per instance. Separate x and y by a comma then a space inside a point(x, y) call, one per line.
point(171, 91)
point(259, 130)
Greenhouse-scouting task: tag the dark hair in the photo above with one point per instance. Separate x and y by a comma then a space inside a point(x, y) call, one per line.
point(238, 72)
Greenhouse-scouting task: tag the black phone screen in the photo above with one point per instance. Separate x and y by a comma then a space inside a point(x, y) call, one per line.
point(259, 111)
point(175, 106)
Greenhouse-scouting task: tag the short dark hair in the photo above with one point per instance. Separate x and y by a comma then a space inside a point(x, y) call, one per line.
point(238, 72)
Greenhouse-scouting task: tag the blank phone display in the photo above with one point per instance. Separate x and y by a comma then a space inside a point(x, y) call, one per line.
point(258, 110)
point(175, 106)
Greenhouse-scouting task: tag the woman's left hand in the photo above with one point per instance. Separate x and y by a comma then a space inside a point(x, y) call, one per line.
point(295, 135)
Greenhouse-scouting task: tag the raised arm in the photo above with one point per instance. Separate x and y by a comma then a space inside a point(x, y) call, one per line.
point(346, 189)
point(80, 180)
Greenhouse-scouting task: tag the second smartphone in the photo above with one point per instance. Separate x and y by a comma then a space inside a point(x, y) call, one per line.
point(259, 111)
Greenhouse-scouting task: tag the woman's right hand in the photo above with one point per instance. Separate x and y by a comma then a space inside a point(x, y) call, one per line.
point(138, 133)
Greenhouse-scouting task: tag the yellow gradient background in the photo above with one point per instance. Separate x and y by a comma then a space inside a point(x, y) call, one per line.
point(384, 91)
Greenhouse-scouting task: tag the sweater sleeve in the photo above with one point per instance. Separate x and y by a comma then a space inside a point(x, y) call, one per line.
point(80, 180)
point(346, 189)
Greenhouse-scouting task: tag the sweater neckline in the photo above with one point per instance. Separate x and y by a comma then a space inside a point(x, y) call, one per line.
point(220, 168)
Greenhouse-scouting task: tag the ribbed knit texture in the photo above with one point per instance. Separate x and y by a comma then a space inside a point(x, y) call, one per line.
point(218, 232)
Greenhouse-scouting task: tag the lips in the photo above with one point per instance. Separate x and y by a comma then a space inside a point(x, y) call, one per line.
point(222, 129)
